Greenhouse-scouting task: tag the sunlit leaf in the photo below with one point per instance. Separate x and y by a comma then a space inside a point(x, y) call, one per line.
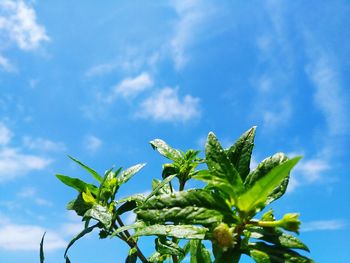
point(257, 195)
point(77, 184)
point(221, 169)
point(240, 153)
point(101, 214)
point(263, 169)
point(178, 231)
point(79, 205)
point(90, 170)
point(164, 149)
point(160, 186)
point(128, 173)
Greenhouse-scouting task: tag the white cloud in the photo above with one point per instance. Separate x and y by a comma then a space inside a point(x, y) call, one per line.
point(322, 225)
point(18, 23)
point(165, 105)
point(30, 193)
point(5, 134)
point(131, 87)
point(27, 238)
point(100, 69)
point(92, 143)
point(307, 172)
point(6, 65)
point(13, 163)
point(42, 144)
point(329, 95)
point(312, 169)
point(191, 15)
point(281, 115)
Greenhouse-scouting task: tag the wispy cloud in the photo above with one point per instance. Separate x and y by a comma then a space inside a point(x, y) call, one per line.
point(100, 69)
point(166, 105)
point(18, 23)
point(312, 169)
point(92, 143)
point(329, 95)
point(307, 171)
point(6, 65)
point(18, 237)
point(5, 134)
point(30, 193)
point(13, 162)
point(278, 116)
point(131, 87)
point(191, 14)
point(322, 225)
point(42, 144)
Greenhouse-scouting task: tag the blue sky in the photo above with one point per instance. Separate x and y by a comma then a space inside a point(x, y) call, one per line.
point(100, 80)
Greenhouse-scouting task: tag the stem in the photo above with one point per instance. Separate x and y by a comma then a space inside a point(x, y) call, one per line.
point(130, 241)
point(182, 186)
point(174, 239)
point(266, 223)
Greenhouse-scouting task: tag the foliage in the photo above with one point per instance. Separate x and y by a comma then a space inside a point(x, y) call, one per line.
point(223, 212)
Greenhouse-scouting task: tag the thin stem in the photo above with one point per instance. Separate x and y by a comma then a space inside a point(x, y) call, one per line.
point(130, 241)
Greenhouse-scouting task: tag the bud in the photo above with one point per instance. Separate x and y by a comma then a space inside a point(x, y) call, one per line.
point(290, 222)
point(223, 236)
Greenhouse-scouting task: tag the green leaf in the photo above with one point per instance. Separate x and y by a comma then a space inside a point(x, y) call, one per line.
point(77, 184)
point(199, 254)
point(277, 237)
point(189, 207)
point(183, 215)
point(194, 197)
point(263, 169)
point(263, 253)
point(79, 205)
point(160, 186)
point(165, 189)
point(67, 259)
point(193, 206)
point(230, 255)
point(137, 224)
point(101, 214)
point(91, 171)
point(80, 235)
point(164, 149)
point(260, 256)
point(178, 231)
point(127, 206)
point(221, 168)
point(138, 198)
point(256, 196)
point(240, 153)
point(167, 247)
point(128, 173)
point(42, 257)
point(157, 258)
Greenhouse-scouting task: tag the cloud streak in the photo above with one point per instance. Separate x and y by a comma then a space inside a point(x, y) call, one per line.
point(17, 237)
point(323, 225)
point(329, 96)
point(131, 87)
